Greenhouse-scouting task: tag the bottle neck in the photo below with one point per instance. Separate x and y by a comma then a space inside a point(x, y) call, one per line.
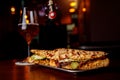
point(51, 13)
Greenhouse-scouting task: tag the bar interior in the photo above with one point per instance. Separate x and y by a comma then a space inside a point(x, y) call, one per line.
point(53, 35)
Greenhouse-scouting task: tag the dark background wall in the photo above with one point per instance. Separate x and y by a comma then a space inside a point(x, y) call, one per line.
point(105, 20)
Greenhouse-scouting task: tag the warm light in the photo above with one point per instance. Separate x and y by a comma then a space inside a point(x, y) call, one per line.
point(20, 11)
point(26, 16)
point(27, 21)
point(71, 10)
point(12, 10)
point(84, 9)
point(73, 4)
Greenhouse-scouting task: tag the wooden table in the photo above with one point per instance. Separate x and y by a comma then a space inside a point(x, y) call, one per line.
point(10, 71)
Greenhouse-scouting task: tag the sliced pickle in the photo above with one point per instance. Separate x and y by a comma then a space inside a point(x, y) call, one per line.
point(74, 65)
point(36, 57)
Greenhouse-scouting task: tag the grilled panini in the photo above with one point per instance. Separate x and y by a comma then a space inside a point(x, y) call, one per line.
point(69, 58)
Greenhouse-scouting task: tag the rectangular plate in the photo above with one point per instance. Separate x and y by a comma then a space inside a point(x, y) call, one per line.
point(62, 69)
point(75, 72)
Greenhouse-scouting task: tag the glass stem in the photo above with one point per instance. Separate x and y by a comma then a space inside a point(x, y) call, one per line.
point(28, 50)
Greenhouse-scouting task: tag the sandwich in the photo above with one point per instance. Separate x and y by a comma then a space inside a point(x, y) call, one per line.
point(72, 59)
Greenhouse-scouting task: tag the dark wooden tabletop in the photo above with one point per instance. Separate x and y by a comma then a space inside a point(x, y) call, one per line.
point(10, 71)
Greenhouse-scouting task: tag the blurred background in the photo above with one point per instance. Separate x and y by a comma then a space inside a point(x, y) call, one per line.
point(81, 24)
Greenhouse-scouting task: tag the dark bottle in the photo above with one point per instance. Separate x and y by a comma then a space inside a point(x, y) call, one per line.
point(52, 35)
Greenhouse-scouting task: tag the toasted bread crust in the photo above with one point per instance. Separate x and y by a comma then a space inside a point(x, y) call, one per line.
point(73, 54)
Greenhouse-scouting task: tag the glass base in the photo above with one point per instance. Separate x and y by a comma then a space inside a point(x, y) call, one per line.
point(21, 63)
